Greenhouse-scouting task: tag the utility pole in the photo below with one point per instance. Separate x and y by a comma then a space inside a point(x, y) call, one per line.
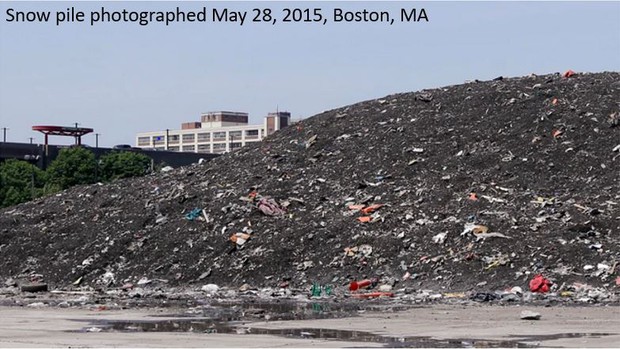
point(31, 140)
point(167, 136)
point(76, 137)
point(97, 140)
point(4, 131)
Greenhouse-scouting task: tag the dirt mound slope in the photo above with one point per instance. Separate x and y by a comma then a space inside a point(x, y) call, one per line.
point(484, 183)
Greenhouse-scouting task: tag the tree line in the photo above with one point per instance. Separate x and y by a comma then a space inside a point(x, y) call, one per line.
point(21, 181)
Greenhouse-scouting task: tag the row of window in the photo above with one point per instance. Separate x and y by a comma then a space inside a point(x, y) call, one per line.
point(204, 148)
point(201, 137)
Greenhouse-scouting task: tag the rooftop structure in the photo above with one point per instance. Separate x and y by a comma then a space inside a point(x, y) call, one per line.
point(75, 132)
point(216, 132)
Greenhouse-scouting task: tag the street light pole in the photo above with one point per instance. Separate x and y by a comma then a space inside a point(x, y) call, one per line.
point(31, 140)
point(97, 140)
point(4, 131)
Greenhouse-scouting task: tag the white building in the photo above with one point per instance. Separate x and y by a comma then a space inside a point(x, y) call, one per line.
point(217, 132)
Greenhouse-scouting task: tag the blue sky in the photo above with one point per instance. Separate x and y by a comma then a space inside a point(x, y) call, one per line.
point(123, 78)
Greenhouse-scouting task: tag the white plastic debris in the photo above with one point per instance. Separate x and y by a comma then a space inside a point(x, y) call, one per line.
point(440, 238)
point(210, 288)
point(365, 250)
point(385, 288)
point(144, 281)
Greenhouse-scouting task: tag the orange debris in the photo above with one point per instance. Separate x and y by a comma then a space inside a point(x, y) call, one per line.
point(371, 208)
point(373, 295)
point(568, 73)
point(364, 219)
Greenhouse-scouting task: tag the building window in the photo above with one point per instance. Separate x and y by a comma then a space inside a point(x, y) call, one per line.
point(235, 145)
point(204, 137)
point(159, 140)
point(204, 148)
point(144, 141)
point(218, 136)
point(251, 134)
point(219, 147)
point(189, 138)
point(235, 134)
point(173, 139)
point(189, 148)
point(173, 148)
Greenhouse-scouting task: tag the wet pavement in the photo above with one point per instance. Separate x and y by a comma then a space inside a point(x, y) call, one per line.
point(234, 327)
point(238, 319)
point(311, 324)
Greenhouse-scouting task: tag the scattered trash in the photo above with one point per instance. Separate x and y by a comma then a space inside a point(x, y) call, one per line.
point(478, 158)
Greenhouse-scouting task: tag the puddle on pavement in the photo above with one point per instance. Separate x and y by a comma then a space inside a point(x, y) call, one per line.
point(282, 311)
point(230, 318)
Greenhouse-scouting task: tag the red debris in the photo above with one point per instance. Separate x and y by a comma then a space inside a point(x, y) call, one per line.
point(539, 284)
point(356, 285)
point(568, 73)
point(373, 295)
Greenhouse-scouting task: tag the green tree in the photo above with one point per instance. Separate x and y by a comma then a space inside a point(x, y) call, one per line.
point(73, 166)
point(20, 182)
point(123, 164)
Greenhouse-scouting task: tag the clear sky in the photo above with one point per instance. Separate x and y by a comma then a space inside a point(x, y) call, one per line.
point(121, 79)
